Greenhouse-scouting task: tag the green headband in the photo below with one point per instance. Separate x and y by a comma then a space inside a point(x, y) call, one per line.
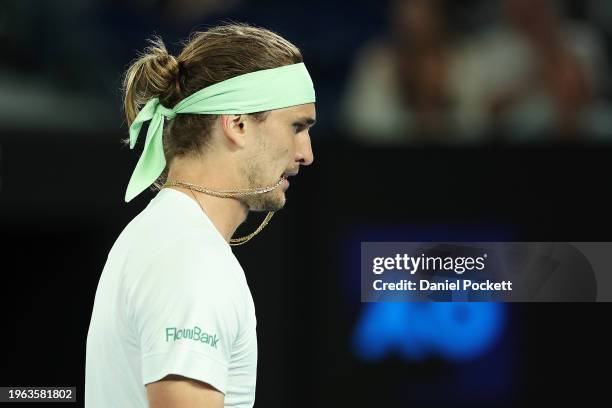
point(257, 91)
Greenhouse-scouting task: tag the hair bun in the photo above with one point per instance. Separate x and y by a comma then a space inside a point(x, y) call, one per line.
point(154, 73)
point(163, 68)
point(167, 64)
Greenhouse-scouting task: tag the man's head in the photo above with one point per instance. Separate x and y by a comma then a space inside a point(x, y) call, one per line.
point(249, 150)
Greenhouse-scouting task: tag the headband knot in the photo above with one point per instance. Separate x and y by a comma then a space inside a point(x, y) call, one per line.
point(169, 113)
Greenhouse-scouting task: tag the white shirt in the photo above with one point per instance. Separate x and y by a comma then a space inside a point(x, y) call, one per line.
point(172, 299)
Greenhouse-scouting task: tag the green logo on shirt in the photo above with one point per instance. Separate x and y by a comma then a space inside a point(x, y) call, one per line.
point(195, 334)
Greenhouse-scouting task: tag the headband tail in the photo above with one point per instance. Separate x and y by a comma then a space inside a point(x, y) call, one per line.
point(151, 162)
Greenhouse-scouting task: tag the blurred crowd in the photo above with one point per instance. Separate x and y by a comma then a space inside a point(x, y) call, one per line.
point(401, 72)
point(529, 73)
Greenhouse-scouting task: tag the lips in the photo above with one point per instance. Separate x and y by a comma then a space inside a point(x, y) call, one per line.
point(289, 174)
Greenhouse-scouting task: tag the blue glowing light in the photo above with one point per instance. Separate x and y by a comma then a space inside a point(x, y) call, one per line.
point(456, 330)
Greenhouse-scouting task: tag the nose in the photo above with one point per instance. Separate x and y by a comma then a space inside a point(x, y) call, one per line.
point(303, 151)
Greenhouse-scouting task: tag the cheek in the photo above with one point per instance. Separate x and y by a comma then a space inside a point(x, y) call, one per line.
point(287, 152)
point(278, 144)
point(286, 147)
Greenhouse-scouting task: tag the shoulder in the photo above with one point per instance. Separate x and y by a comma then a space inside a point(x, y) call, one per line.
point(196, 257)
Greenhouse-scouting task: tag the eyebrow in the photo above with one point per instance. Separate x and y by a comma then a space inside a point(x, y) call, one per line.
point(305, 121)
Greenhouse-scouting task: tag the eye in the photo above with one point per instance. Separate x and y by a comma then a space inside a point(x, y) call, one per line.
point(298, 127)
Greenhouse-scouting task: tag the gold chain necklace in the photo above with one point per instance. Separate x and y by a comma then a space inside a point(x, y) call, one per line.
point(229, 194)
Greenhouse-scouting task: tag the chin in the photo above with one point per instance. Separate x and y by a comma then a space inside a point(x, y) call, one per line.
point(279, 201)
point(276, 204)
point(273, 202)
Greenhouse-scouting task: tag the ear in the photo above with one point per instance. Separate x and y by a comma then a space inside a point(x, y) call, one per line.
point(234, 129)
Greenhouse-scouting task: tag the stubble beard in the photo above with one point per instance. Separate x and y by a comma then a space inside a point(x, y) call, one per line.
point(271, 201)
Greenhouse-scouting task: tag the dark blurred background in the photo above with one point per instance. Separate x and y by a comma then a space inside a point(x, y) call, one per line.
point(437, 120)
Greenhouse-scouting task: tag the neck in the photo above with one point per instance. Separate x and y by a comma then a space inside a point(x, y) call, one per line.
point(226, 214)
